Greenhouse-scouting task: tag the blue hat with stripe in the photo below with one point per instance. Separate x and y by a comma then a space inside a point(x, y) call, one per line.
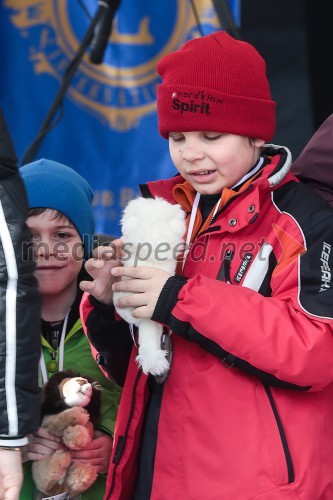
point(52, 185)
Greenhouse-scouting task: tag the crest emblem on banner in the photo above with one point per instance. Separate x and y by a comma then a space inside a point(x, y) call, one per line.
point(122, 90)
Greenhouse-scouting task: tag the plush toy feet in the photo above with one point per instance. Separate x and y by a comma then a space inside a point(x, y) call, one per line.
point(151, 356)
point(58, 474)
point(79, 478)
point(51, 471)
point(152, 361)
point(77, 437)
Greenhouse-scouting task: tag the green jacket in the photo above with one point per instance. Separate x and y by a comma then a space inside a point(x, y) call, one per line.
point(78, 357)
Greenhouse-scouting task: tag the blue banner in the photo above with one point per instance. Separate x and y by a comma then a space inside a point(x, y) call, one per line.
point(108, 126)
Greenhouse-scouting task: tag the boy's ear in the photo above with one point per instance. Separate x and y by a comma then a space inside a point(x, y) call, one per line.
point(258, 143)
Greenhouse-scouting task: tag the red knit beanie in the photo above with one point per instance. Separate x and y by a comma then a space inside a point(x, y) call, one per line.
point(218, 84)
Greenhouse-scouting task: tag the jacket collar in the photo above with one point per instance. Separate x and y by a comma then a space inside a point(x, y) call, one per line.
point(282, 166)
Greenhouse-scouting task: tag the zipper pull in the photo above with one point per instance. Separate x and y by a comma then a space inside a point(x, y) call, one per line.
point(224, 273)
point(226, 263)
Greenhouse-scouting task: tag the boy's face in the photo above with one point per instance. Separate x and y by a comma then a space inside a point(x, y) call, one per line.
point(58, 252)
point(211, 161)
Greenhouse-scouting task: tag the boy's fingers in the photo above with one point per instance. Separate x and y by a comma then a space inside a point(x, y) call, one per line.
point(129, 286)
point(87, 286)
point(133, 272)
point(104, 253)
point(93, 264)
point(133, 300)
point(109, 252)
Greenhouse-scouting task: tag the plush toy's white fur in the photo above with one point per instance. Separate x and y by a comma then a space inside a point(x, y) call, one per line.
point(153, 232)
point(77, 391)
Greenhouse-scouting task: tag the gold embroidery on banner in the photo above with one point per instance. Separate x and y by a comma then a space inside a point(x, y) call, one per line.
point(118, 95)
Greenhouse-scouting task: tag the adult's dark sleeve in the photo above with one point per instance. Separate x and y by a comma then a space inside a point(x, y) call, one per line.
point(19, 306)
point(314, 166)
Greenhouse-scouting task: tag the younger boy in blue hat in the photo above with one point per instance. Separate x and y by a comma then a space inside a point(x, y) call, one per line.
point(62, 226)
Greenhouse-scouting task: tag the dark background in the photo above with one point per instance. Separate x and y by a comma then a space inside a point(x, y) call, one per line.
point(295, 39)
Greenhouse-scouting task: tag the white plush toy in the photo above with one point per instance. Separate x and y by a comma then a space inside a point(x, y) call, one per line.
point(153, 231)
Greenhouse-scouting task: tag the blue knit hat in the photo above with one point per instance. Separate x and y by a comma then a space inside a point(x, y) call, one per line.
point(52, 185)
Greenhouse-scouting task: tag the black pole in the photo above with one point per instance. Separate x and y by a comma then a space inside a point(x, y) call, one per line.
point(225, 18)
point(103, 30)
point(47, 125)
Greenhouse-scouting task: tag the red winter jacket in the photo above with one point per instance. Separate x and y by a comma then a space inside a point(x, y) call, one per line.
point(247, 410)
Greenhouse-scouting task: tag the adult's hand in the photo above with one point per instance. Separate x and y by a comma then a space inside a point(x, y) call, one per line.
point(11, 475)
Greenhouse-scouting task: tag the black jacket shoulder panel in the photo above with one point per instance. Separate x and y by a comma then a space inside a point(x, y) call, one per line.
point(314, 218)
point(300, 201)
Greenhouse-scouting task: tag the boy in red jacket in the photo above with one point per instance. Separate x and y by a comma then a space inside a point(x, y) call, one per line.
point(246, 410)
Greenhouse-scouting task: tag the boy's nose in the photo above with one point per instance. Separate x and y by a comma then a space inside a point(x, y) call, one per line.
point(192, 152)
point(43, 249)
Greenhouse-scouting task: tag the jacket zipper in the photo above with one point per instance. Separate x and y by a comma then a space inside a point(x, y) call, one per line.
point(228, 362)
point(290, 467)
point(121, 442)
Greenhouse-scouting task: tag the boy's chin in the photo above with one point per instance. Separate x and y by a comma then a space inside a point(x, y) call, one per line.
point(208, 191)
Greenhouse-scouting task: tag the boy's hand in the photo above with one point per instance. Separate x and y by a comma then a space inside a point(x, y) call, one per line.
point(143, 284)
point(41, 444)
point(97, 453)
point(99, 267)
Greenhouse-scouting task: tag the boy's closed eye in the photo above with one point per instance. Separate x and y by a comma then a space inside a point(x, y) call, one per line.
point(212, 137)
point(176, 137)
point(209, 136)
